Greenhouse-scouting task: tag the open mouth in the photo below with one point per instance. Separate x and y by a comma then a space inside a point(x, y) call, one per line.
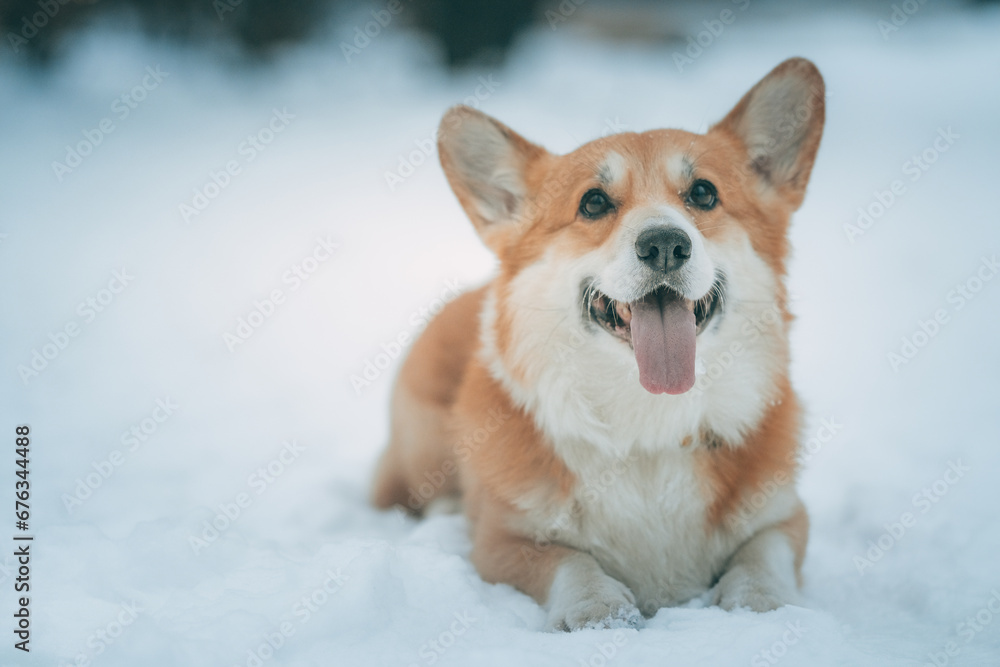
point(661, 328)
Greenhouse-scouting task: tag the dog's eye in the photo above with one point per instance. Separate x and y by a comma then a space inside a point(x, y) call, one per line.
point(703, 195)
point(595, 204)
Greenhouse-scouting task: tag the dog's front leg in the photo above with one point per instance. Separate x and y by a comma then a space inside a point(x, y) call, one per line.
point(571, 584)
point(763, 573)
point(583, 596)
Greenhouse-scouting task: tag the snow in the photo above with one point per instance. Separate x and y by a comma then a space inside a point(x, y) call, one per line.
point(306, 564)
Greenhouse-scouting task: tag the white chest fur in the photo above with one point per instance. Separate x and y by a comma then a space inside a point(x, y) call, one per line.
point(643, 517)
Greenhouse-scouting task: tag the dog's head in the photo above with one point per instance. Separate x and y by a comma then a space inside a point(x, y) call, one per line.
point(644, 244)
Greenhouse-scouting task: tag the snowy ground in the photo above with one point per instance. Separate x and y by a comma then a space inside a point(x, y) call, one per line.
point(118, 577)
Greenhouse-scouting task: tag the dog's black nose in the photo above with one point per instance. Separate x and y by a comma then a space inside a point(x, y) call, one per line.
point(663, 249)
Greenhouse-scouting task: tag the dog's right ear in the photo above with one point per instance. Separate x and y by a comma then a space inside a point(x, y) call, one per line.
point(487, 166)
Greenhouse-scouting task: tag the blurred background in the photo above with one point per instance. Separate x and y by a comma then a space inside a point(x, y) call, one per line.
point(218, 218)
point(455, 33)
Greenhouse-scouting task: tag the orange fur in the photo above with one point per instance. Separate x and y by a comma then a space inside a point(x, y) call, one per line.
point(421, 405)
point(767, 455)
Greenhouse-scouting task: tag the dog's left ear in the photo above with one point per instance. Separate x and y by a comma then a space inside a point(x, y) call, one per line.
point(487, 166)
point(780, 122)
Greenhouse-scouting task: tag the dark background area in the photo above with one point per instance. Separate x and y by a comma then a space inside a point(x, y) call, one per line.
point(465, 31)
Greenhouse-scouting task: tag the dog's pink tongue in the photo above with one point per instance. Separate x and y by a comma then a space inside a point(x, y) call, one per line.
point(663, 333)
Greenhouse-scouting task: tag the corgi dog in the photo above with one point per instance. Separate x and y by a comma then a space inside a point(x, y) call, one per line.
point(613, 410)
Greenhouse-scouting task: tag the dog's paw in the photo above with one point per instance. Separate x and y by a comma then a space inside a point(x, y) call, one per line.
point(739, 588)
point(609, 604)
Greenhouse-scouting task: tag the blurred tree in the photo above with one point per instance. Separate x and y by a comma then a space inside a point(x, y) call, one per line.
point(36, 28)
point(471, 29)
point(256, 25)
point(466, 29)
